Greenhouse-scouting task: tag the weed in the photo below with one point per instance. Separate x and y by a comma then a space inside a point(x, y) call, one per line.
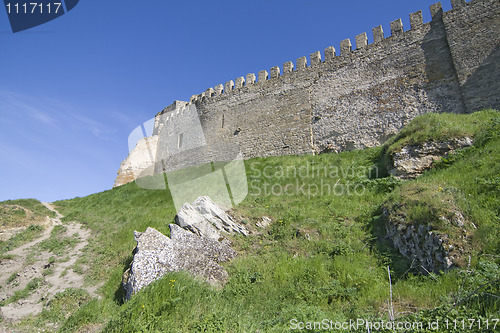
point(58, 243)
point(78, 268)
point(26, 236)
point(12, 277)
point(8, 256)
point(24, 293)
point(64, 259)
point(30, 258)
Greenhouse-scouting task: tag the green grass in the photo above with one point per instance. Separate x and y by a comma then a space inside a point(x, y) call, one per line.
point(57, 309)
point(113, 216)
point(58, 243)
point(8, 256)
point(441, 127)
point(21, 212)
point(78, 266)
point(29, 213)
point(323, 256)
point(11, 278)
point(25, 236)
point(34, 284)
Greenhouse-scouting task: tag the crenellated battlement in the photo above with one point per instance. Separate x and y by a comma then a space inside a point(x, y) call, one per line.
point(330, 55)
point(352, 97)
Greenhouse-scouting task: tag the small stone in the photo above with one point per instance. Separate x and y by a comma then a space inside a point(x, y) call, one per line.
point(264, 223)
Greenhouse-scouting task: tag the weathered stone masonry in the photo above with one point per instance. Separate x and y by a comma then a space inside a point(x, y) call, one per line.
point(361, 95)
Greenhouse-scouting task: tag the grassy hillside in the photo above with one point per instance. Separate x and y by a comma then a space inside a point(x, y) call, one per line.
point(324, 255)
point(22, 212)
point(25, 217)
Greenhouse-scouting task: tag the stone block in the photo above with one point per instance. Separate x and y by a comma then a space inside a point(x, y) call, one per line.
point(345, 47)
point(263, 76)
point(250, 78)
point(240, 82)
point(378, 34)
point(275, 72)
point(301, 63)
point(287, 67)
point(361, 41)
point(396, 27)
point(436, 10)
point(416, 20)
point(219, 89)
point(329, 53)
point(457, 3)
point(228, 86)
point(209, 92)
point(315, 58)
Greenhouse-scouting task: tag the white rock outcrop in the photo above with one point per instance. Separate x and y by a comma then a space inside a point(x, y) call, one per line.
point(139, 163)
point(413, 160)
point(205, 218)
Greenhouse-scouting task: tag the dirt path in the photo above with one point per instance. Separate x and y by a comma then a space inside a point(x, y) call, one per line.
point(54, 272)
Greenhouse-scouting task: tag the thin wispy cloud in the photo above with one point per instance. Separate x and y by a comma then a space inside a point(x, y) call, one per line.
point(124, 118)
point(47, 111)
point(98, 129)
point(23, 107)
point(37, 114)
point(48, 140)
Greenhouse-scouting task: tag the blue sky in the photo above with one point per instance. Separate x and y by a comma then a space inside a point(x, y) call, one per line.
point(73, 89)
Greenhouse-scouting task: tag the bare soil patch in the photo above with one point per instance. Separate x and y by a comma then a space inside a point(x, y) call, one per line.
point(48, 272)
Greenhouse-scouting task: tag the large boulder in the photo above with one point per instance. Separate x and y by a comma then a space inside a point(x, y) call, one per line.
point(205, 218)
point(156, 255)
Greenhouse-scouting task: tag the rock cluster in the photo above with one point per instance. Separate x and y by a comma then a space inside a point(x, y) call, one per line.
point(197, 252)
point(412, 161)
point(431, 250)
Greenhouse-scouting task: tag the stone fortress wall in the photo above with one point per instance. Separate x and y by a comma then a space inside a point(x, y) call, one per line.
point(357, 96)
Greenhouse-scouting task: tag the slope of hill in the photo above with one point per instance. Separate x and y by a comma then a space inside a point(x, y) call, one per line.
point(325, 255)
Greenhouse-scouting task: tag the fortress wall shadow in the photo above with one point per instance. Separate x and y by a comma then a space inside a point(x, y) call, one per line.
point(469, 55)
